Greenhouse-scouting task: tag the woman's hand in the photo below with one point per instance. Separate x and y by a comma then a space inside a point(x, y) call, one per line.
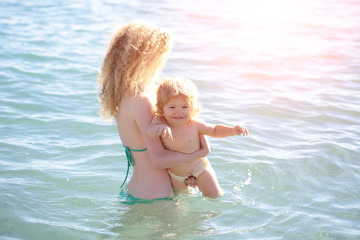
point(191, 181)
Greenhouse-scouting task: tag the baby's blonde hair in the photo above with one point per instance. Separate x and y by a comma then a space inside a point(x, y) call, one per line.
point(136, 53)
point(172, 88)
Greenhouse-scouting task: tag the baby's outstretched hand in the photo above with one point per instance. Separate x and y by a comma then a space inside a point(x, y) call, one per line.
point(164, 131)
point(240, 129)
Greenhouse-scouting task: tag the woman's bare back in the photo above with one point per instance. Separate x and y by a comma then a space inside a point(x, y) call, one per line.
point(147, 181)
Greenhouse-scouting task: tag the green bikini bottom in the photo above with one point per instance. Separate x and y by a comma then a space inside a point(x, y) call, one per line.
point(130, 200)
point(127, 198)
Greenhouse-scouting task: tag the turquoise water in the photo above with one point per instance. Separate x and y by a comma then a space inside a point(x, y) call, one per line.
point(289, 70)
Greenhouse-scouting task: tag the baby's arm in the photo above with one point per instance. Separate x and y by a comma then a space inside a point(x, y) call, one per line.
point(221, 131)
point(158, 129)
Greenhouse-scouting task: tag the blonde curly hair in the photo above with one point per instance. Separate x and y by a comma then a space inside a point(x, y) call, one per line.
point(136, 54)
point(174, 87)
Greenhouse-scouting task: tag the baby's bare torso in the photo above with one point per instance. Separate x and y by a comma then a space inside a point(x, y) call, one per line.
point(185, 140)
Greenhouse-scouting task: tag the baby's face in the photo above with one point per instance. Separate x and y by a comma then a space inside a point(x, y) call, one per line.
point(177, 111)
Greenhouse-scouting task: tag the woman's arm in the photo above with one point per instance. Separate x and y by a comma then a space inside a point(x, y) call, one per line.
point(161, 157)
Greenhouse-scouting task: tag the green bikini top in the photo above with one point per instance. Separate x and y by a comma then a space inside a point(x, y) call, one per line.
point(130, 160)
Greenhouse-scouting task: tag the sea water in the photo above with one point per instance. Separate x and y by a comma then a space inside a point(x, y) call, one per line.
point(288, 70)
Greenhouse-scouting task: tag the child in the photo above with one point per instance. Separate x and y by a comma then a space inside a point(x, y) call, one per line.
point(176, 107)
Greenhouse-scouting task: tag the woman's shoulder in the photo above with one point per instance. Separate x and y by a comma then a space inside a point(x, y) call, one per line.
point(140, 107)
point(141, 101)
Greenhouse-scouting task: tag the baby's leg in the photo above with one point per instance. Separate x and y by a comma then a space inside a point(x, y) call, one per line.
point(208, 184)
point(179, 187)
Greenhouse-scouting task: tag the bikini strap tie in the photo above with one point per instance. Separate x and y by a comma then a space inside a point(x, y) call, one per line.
point(130, 160)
